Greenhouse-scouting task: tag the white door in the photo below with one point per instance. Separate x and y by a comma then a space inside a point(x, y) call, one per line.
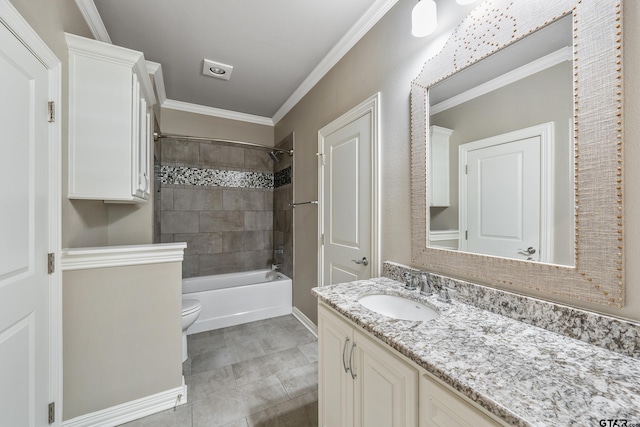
point(24, 236)
point(505, 195)
point(346, 202)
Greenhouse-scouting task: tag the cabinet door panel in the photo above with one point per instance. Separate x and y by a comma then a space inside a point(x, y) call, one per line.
point(335, 385)
point(386, 387)
point(441, 407)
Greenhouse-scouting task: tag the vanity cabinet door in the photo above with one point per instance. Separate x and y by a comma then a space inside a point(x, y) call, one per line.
point(386, 388)
point(442, 407)
point(335, 385)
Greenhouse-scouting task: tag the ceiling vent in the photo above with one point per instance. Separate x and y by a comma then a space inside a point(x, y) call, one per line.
point(216, 69)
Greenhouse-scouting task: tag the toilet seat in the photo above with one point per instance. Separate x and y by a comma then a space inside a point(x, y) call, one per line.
point(190, 306)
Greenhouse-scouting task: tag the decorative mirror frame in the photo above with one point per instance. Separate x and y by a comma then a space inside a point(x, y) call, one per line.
point(598, 272)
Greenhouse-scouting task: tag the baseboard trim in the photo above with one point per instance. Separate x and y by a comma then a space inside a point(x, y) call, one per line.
point(133, 410)
point(305, 321)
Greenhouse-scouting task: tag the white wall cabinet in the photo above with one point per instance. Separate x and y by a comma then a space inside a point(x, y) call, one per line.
point(438, 173)
point(110, 96)
point(368, 385)
point(361, 383)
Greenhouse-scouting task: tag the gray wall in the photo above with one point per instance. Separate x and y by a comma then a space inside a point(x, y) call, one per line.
point(544, 97)
point(386, 60)
point(121, 335)
point(227, 228)
point(192, 124)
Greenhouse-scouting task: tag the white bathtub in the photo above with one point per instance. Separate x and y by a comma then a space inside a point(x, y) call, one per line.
point(235, 298)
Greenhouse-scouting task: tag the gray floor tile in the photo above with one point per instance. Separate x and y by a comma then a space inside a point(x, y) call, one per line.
point(299, 412)
point(239, 423)
point(310, 351)
point(254, 332)
point(236, 404)
point(205, 344)
point(232, 382)
point(225, 356)
point(276, 342)
point(300, 381)
point(180, 417)
point(264, 366)
point(210, 384)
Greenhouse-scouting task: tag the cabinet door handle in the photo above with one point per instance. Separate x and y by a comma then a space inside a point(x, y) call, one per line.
point(353, 375)
point(344, 350)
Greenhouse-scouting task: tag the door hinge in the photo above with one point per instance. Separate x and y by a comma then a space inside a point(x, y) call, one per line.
point(466, 234)
point(466, 169)
point(52, 412)
point(52, 111)
point(51, 263)
point(321, 157)
point(322, 239)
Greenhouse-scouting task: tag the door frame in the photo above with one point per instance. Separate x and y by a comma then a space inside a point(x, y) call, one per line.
point(372, 106)
point(11, 18)
point(546, 132)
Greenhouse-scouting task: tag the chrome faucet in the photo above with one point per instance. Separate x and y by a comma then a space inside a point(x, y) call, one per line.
point(443, 294)
point(425, 286)
point(410, 282)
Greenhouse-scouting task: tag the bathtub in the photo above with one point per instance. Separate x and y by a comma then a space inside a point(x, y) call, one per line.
point(236, 298)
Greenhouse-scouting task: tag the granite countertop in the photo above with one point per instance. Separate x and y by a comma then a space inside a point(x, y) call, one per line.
point(525, 375)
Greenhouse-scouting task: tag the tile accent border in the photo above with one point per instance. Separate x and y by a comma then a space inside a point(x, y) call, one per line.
point(618, 335)
point(214, 177)
point(282, 177)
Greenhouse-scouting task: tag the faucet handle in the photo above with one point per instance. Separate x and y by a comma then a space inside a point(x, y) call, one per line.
point(408, 280)
point(443, 295)
point(425, 286)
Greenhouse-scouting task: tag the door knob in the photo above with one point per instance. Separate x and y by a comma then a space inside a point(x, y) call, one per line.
point(529, 251)
point(364, 261)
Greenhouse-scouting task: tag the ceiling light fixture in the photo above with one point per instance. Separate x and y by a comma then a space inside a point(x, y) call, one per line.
point(423, 18)
point(216, 69)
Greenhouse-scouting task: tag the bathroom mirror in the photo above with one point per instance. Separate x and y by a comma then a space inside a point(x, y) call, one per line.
point(503, 128)
point(579, 192)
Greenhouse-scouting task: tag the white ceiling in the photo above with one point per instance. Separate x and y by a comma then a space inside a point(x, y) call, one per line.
point(273, 45)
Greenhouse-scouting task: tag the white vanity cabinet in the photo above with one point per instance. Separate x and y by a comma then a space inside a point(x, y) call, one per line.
point(442, 407)
point(361, 383)
point(369, 385)
point(110, 97)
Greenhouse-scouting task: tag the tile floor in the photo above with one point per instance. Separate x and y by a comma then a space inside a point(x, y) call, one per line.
point(260, 374)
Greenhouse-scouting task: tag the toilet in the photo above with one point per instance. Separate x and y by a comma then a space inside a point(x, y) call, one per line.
point(190, 312)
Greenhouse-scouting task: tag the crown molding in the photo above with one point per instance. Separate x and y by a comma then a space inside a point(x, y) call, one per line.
point(353, 36)
point(93, 19)
point(155, 70)
point(359, 29)
point(216, 112)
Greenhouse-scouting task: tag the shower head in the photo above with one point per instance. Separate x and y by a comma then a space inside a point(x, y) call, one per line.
point(274, 155)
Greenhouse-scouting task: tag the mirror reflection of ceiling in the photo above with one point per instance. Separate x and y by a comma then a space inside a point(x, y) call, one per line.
point(536, 45)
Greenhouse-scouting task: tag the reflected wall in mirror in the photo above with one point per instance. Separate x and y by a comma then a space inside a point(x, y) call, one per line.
point(510, 152)
point(517, 150)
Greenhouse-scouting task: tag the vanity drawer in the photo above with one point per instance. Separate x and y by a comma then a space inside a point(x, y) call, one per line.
point(442, 407)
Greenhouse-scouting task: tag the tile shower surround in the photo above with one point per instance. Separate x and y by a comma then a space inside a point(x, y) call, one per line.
point(613, 334)
point(218, 199)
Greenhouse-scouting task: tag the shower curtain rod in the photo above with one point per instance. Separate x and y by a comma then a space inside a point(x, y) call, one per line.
point(157, 136)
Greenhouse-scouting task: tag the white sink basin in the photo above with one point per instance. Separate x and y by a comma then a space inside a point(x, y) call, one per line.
point(398, 307)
